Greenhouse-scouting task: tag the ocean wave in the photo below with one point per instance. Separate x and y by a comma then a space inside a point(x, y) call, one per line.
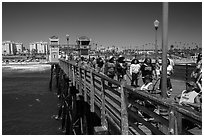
point(36, 67)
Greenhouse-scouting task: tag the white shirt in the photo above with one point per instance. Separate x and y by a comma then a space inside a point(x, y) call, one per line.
point(169, 70)
point(188, 97)
point(134, 68)
point(171, 62)
point(147, 86)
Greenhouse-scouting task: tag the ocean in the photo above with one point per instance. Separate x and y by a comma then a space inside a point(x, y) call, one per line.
point(27, 103)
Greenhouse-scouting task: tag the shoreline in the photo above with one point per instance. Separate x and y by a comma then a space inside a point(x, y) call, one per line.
point(25, 67)
point(24, 63)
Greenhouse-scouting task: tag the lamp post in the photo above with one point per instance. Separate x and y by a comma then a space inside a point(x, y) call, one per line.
point(67, 37)
point(156, 25)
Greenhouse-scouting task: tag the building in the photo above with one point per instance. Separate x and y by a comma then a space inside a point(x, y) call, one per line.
point(42, 47)
point(9, 48)
point(33, 48)
point(39, 47)
point(54, 49)
point(84, 46)
point(19, 48)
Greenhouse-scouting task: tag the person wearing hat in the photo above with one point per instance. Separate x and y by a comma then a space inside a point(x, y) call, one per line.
point(189, 97)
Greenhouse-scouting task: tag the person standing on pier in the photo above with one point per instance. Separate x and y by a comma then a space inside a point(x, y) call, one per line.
point(147, 69)
point(121, 68)
point(169, 73)
point(100, 63)
point(110, 68)
point(196, 75)
point(134, 72)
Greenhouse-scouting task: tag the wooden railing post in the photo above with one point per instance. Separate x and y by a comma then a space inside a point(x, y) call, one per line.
point(175, 122)
point(172, 123)
point(124, 114)
point(102, 130)
point(73, 74)
point(103, 113)
point(92, 90)
point(80, 80)
point(85, 85)
point(178, 123)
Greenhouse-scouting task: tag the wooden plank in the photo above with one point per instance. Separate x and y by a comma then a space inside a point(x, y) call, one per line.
point(98, 103)
point(85, 86)
point(97, 80)
point(112, 123)
point(92, 92)
point(98, 87)
point(113, 110)
point(139, 131)
point(113, 91)
point(88, 80)
point(113, 99)
point(103, 111)
point(98, 95)
point(98, 99)
point(147, 124)
point(112, 116)
point(124, 114)
point(150, 113)
point(97, 110)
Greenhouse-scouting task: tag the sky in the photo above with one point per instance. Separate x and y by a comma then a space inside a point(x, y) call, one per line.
point(122, 24)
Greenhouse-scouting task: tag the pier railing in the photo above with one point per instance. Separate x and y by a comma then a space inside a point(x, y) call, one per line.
point(121, 109)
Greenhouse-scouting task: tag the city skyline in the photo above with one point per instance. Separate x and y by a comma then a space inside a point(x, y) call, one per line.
point(122, 24)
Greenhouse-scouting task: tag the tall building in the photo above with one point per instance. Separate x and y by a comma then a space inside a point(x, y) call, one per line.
point(39, 47)
point(33, 47)
point(54, 49)
point(8, 48)
point(19, 48)
point(83, 46)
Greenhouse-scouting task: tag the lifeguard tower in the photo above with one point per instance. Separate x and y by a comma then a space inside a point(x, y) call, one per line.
point(54, 49)
point(83, 46)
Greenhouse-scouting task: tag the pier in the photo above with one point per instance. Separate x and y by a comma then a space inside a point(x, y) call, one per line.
point(90, 106)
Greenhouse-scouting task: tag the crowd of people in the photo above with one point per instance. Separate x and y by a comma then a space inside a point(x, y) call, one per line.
point(118, 68)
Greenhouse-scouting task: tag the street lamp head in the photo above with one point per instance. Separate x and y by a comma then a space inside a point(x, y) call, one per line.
point(156, 24)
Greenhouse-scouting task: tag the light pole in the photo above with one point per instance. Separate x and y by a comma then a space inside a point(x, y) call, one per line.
point(156, 25)
point(165, 9)
point(67, 37)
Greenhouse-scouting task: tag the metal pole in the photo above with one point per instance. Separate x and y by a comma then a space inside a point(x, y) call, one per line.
point(186, 74)
point(143, 51)
point(67, 45)
point(164, 49)
point(156, 51)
